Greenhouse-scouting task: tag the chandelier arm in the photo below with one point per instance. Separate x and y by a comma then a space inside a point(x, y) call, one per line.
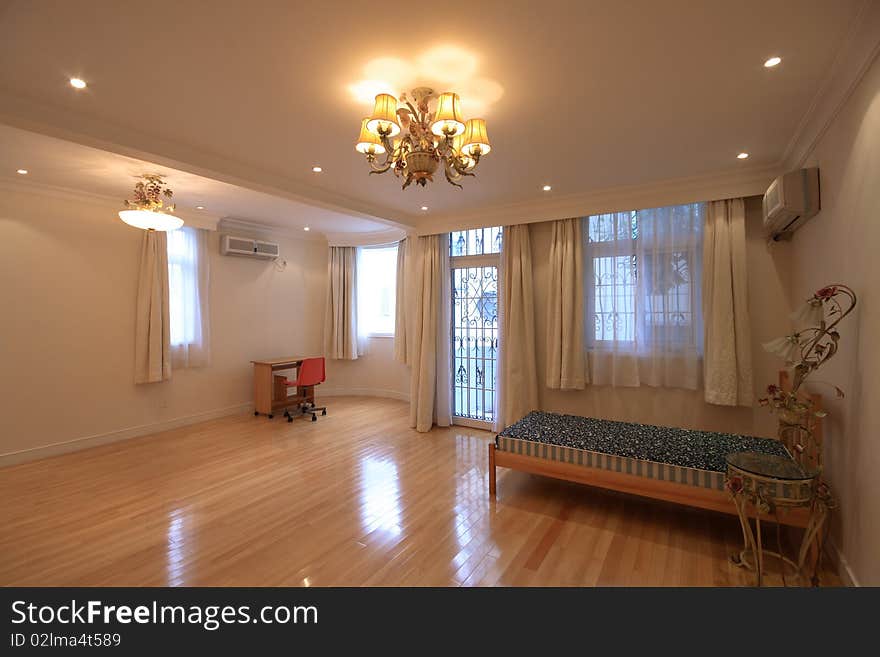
point(451, 174)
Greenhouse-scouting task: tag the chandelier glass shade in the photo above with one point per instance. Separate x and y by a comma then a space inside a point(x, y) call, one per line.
point(425, 140)
point(149, 220)
point(148, 209)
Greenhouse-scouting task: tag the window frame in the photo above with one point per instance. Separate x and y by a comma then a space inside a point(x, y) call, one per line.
point(616, 248)
point(492, 259)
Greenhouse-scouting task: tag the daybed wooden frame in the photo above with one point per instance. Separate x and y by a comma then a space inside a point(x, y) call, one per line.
point(667, 491)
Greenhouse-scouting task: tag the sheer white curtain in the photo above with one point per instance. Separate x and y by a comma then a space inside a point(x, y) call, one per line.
point(643, 290)
point(189, 294)
point(728, 366)
point(428, 322)
point(152, 347)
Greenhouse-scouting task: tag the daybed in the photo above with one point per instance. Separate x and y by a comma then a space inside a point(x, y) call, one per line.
point(676, 465)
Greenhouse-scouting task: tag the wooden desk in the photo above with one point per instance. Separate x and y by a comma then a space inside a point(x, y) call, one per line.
point(264, 401)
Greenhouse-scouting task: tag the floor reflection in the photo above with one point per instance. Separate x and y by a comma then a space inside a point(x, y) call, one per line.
point(176, 548)
point(380, 496)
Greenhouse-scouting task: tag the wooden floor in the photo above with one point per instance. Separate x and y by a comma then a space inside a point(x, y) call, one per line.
point(356, 498)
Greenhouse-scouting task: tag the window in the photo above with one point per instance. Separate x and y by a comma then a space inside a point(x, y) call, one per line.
point(477, 241)
point(188, 276)
point(183, 286)
point(643, 279)
point(376, 289)
point(474, 265)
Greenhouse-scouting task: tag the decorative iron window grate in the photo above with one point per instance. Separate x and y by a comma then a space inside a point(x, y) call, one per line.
point(474, 341)
point(474, 263)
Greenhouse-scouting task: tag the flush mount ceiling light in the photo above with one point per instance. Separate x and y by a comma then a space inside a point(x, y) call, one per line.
point(21, 172)
point(148, 210)
point(424, 208)
point(773, 61)
point(78, 83)
point(742, 156)
point(306, 228)
point(426, 139)
point(546, 188)
point(200, 207)
point(317, 169)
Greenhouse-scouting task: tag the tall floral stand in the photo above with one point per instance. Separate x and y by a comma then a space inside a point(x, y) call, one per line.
point(762, 486)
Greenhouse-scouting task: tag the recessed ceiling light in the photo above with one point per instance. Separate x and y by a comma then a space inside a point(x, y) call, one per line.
point(200, 207)
point(742, 156)
point(77, 83)
point(773, 61)
point(21, 172)
point(546, 188)
point(317, 169)
point(424, 208)
point(306, 228)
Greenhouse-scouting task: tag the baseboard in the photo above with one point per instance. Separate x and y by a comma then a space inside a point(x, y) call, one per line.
point(76, 444)
point(325, 391)
point(841, 564)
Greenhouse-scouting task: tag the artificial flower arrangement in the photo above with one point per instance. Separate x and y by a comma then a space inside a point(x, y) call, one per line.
point(808, 349)
point(149, 193)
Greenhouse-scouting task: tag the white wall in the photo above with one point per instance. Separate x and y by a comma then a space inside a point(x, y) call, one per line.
point(375, 373)
point(69, 278)
point(842, 244)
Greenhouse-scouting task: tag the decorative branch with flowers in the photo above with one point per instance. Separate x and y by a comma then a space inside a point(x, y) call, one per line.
point(151, 193)
point(809, 348)
point(806, 350)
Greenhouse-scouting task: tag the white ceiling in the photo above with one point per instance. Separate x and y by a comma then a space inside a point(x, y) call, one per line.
point(62, 164)
point(583, 95)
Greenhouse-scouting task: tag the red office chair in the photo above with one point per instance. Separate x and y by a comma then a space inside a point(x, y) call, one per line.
point(309, 375)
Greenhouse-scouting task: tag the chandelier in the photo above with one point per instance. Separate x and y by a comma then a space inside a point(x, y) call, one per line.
point(416, 141)
point(148, 210)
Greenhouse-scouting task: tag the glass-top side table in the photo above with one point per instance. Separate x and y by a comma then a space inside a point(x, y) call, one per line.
point(761, 485)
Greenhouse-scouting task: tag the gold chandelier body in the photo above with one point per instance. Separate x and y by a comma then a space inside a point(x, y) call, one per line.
point(417, 141)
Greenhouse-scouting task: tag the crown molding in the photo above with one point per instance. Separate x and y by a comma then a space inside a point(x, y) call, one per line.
point(372, 238)
point(732, 184)
point(191, 217)
point(860, 48)
point(253, 228)
point(62, 123)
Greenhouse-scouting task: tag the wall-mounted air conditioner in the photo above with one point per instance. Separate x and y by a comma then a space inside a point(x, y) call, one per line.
point(790, 200)
point(244, 246)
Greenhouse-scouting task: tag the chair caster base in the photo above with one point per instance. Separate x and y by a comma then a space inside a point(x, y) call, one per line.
point(314, 418)
point(324, 412)
point(256, 413)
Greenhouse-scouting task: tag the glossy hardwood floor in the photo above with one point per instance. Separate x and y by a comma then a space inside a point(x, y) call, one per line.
point(356, 498)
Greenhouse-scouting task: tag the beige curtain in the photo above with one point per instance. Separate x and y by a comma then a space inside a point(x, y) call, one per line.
point(727, 363)
point(152, 350)
point(517, 371)
point(340, 322)
point(565, 308)
point(428, 324)
point(400, 305)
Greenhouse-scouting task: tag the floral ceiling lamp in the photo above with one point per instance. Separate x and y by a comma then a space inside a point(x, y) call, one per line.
point(148, 209)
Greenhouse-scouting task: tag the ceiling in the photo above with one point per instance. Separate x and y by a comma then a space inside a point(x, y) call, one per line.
point(582, 95)
point(61, 164)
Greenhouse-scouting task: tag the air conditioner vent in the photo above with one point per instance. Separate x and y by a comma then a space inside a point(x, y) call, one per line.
point(244, 246)
point(266, 249)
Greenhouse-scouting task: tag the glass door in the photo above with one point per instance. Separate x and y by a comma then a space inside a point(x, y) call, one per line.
point(474, 256)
